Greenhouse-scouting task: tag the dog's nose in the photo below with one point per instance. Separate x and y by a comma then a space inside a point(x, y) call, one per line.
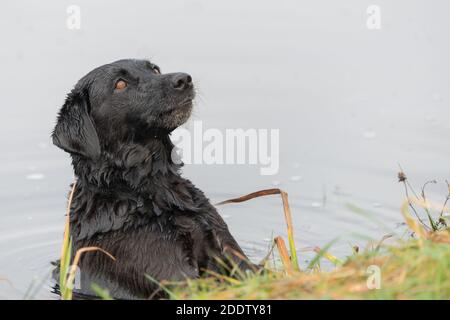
point(181, 81)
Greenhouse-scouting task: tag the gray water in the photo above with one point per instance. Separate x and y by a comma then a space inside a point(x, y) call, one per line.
point(351, 104)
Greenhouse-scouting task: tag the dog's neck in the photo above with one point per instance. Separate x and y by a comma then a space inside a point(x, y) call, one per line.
point(138, 179)
point(132, 166)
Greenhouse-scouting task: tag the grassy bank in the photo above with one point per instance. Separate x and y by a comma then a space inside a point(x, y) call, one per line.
point(413, 269)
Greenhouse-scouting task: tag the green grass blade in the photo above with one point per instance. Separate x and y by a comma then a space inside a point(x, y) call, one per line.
point(320, 254)
point(163, 287)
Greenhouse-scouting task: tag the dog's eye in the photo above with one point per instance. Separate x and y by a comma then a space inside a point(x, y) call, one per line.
point(121, 84)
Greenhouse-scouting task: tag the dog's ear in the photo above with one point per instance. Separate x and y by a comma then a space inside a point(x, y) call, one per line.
point(75, 131)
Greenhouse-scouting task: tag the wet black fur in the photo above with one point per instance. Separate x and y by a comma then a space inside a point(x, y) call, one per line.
point(130, 198)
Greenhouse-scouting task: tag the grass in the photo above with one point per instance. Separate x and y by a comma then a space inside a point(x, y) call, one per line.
point(411, 269)
point(417, 267)
point(414, 268)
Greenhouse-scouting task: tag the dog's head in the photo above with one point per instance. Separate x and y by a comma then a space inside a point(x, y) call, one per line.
point(123, 101)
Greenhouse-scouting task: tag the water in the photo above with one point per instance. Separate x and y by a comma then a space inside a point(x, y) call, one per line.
point(350, 103)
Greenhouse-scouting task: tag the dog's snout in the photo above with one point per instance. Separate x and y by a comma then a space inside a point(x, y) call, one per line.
point(181, 81)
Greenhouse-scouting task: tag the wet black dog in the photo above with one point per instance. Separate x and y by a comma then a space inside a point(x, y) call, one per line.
point(130, 199)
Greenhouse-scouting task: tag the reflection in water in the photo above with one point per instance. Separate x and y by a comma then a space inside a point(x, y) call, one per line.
point(350, 105)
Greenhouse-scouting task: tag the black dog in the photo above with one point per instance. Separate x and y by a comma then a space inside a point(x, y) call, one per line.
point(130, 199)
